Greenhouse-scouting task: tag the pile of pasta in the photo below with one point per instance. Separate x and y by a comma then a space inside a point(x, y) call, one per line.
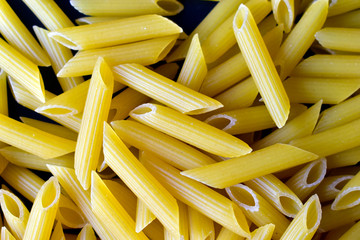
point(255, 136)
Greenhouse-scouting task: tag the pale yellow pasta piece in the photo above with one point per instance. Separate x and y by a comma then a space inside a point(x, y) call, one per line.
point(226, 234)
point(342, 6)
point(349, 19)
point(263, 233)
point(24, 159)
point(144, 216)
point(311, 90)
point(22, 70)
point(194, 69)
point(91, 20)
point(200, 226)
point(338, 232)
point(349, 196)
point(343, 159)
point(184, 224)
point(58, 55)
point(332, 219)
point(348, 110)
point(15, 213)
point(124, 30)
point(268, 160)
point(58, 232)
point(169, 149)
point(145, 52)
point(125, 8)
point(16, 34)
point(43, 211)
point(352, 233)
point(190, 130)
point(33, 140)
point(329, 188)
point(284, 13)
point(327, 142)
point(306, 222)
point(257, 209)
point(6, 235)
point(317, 66)
point(3, 93)
point(168, 70)
point(307, 179)
point(164, 90)
point(86, 233)
point(342, 39)
point(261, 66)
point(196, 195)
point(3, 163)
point(301, 126)
point(301, 37)
point(126, 166)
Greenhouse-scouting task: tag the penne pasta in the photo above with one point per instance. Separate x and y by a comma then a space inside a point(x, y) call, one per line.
point(17, 35)
point(349, 19)
point(226, 234)
point(200, 226)
point(307, 179)
point(143, 216)
point(301, 38)
point(348, 197)
point(257, 209)
point(306, 222)
point(184, 224)
point(258, 163)
point(352, 233)
point(168, 70)
point(329, 188)
point(3, 164)
point(43, 211)
point(338, 232)
point(201, 198)
point(58, 233)
point(124, 30)
point(3, 94)
point(343, 159)
point(58, 55)
point(261, 66)
point(91, 20)
point(145, 52)
point(126, 8)
point(6, 235)
point(264, 232)
point(164, 90)
point(86, 233)
point(190, 130)
point(331, 218)
point(284, 13)
point(342, 39)
point(342, 6)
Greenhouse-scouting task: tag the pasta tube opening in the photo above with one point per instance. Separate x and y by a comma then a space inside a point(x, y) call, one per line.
point(145, 109)
point(221, 121)
point(347, 199)
point(244, 196)
point(285, 15)
point(315, 174)
point(11, 204)
point(52, 190)
point(289, 205)
point(165, 50)
point(61, 38)
point(241, 18)
point(56, 110)
point(313, 214)
point(71, 217)
point(171, 6)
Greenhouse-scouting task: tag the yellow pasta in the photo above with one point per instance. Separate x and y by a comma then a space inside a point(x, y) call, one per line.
point(317, 66)
point(145, 52)
point(123, 162)
point(257, 209)
point(190, 130)
point(15, 213)
point(144, 216)
point(125, 8)
point(332, 219)
point(3, 93)
point(343, 159)
point(261, 66)
point(86, 233)
point(331, 186)
point(200, 226)
point(169, 149)
point(6, 235)
point(226, 234)
point(124, 30)
point(307, 179)
point(58, 233)
point(268, 160)
point(284, 13)
point(342, 6)
point(16, 33)
point(196, 195)
point(352, 233)
point(91, 20)
point(3, 163)
point(342, 39)
point(43, 211)
point(264, 232)
point(301, 126)
point(306, 222)
point(168, 70)
point(349, 19)
point(348, 197)
point(58, 55)
point(301, 37)
point(326, 143)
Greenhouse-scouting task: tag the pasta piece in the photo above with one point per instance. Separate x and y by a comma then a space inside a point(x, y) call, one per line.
point(3, 93)
point(301, 126)
point(15, 213)
point(97, 105)
point(264, 232)
point(194, 69)
point(277, 194)
point(126, 8)
point(222, 38)
point(349, 19)
point(184, 224)
point(284, 13)
point(123, 162)
point(24, 159)
point(338, 232)
point(16, 34)
point(145, 52)
point(329, 188)
point(43, 211)
point(307, 179)
point(169, 149)
point(226, 234)
point(343, 159)
point(311, 90)
point(22, 70)
point(200, 226)
point(3, 164)
point(91, 20)
point(190, 130)
point(342, 66)
point(258, 163)
point(326, 143)
point(348, 197)
point(348, 110)
point(257, 209)
point(330, 218)
point(35, 141)
point(301, 38)
point(87, 233)
point(261, 66)
point(143, 216)
point(342, 6)
point(6, 235)
point(168, 70)
point(124, 30)
point(306, 222)
point(164, 90)
point(124, 102)
point(58, 55)
point(342, 39)
point(58, 233)
point(352, 233)
point(196, 195)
